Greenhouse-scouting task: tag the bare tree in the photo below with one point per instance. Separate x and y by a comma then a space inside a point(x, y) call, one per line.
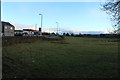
point(113, 9)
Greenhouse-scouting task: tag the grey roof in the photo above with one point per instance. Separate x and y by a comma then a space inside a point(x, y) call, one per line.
point(6, 23)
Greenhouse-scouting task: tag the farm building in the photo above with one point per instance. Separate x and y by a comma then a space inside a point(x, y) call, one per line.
point(18, 33)
point(30, 32)
point(7, 29)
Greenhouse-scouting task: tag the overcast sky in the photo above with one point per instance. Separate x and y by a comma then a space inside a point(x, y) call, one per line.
point(71, 16)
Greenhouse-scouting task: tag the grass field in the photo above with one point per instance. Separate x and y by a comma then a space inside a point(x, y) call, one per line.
point(75, 57)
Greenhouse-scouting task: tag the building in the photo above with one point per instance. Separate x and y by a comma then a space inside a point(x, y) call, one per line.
point(7, 29)
point(18, 32)
point(30, 32)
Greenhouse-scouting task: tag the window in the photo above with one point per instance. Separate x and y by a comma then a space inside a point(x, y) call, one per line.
point(5, 27)
point(11, 28)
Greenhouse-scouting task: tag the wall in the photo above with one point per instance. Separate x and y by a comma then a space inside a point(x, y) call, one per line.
point(30, 33)
point(8, 30)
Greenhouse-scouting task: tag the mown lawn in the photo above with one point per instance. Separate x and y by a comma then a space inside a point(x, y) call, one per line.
point(75, 57)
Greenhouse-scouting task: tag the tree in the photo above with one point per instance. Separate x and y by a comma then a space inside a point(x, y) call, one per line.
point(64, 34)
point(67, 34)
point(113, 9)
point(53, 33)
point(72, 34)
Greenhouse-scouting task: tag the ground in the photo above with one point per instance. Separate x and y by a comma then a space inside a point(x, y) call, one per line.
point(74, 57)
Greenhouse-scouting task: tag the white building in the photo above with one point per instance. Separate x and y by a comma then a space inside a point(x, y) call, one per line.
point(30, 32)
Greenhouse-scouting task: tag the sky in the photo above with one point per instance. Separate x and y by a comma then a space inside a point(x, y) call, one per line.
point(84, 17)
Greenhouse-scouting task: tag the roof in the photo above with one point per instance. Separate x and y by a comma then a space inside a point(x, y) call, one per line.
point(6, 23)
point(29, 30)
point(18, 31)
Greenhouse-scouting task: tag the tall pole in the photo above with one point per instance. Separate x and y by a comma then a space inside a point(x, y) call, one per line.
point(57, 27)
point(41, 24)
point(35, 26)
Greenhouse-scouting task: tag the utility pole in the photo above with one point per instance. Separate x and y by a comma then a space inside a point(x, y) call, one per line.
point(57, 27)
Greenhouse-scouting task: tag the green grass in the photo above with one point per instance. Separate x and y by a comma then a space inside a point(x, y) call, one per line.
point(74, 57)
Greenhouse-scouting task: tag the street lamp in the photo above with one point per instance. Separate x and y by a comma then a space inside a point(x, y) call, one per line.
point(40, 29)
point(57, 27)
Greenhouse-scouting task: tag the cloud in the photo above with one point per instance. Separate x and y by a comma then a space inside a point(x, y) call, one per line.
point(49, 30)
point(93, 32)
point(22, 26)
point(61, 30)
point(67, 30)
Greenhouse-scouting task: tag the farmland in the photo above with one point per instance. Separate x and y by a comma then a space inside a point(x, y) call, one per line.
point(74, 57)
